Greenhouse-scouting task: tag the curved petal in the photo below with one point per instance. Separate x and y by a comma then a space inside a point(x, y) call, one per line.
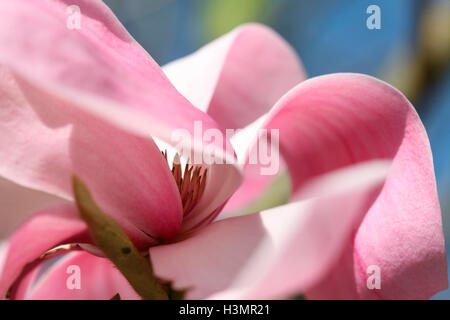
point(98, 279)
point(45, 230)
point(336, 120)
point(277, 252)
point(238, 77)
point(45, 140)
point(97, 64)
point(88, 106)
point(17, 202)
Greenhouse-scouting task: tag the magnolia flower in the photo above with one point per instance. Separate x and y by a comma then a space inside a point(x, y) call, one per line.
point(91, 102)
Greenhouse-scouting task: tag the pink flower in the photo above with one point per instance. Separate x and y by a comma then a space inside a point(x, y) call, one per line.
point(93, 103)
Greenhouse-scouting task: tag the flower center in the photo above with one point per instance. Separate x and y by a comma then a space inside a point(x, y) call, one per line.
point(191, 182)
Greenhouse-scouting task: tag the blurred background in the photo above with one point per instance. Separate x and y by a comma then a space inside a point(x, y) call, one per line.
point(411, 50)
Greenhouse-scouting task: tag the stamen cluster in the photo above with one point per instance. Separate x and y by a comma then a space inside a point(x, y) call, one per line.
point(191, 182)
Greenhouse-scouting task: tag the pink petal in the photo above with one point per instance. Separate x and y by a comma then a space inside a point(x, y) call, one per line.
point(98, 64)
point(337, 120)
point(45, 230)
point(88, 106)
point(278, 252)
point(45, 140)
point(17, 202)
point(99, 280)
point(238, 77)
